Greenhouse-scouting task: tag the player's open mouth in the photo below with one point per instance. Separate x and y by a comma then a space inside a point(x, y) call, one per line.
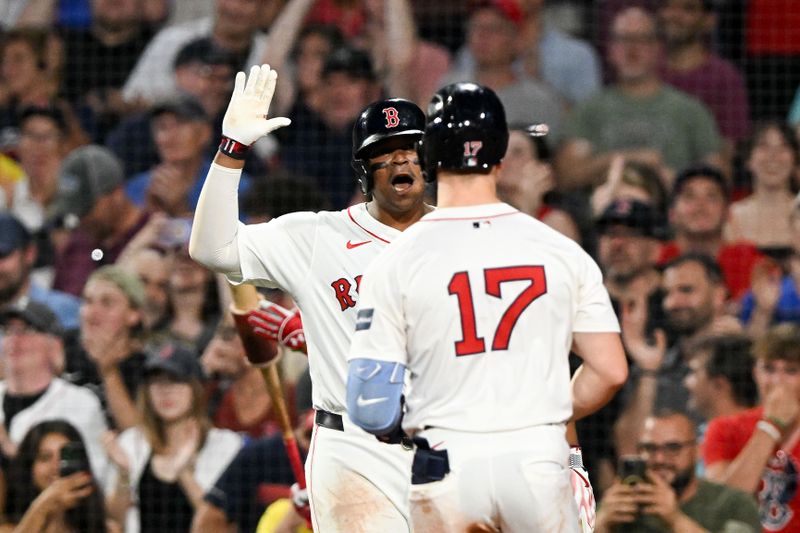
point(402, 182)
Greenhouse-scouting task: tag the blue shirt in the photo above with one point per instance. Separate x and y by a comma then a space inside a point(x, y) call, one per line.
point(65, 306)
point(787, 310)
point(136, 187)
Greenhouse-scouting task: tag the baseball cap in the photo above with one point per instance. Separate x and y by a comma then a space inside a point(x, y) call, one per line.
point(351, 61)
point(204, 51)
point(127, 282)
point(87, 174)
point(13, 235)
point(632, 214)
point(510, 9)
point(184, 107)
point(35, 314)
point(175, 360)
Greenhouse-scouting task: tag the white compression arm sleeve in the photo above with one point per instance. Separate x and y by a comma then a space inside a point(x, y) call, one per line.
point(213, 242)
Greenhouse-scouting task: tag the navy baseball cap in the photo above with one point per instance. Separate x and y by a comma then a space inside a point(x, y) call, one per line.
point(351, 61)
point(13, 235)
point(173, 359)
point(35, 314)
point(632, 214)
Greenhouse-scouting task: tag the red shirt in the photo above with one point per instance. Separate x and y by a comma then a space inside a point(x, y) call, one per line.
point(778, 497)
point(736, 260)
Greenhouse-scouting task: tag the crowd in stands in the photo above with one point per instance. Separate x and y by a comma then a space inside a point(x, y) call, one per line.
point(663, 136)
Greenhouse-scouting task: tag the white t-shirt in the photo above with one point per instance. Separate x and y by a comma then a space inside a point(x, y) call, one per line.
point(480, 303)
point(318, 258)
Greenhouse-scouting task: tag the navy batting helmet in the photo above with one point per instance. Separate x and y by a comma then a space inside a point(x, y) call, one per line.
point(466, 130)
point(379, 121)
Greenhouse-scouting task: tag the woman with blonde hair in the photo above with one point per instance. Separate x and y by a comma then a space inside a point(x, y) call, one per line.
point(167, 461)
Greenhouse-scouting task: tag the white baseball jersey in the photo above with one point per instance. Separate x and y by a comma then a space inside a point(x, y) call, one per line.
point(480, 303)
point(318, 258)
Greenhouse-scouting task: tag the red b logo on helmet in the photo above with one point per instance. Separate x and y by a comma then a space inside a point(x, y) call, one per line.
point(392, 120)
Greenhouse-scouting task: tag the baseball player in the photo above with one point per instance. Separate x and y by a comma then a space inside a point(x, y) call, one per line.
point(480, 305)
point(355, 482)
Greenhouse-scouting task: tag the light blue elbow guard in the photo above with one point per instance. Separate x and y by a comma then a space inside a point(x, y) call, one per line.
point(374, 389)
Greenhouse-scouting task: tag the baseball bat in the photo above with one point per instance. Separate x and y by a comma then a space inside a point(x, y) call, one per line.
point(245, 298)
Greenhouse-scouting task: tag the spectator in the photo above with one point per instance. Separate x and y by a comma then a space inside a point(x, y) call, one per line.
point(92, 200)
point(152, 267)
point(233, 28)
point(181, 130)
point(165, 463)
point(775, 293)
point(629, 180)
point(28, 78)
point(757, 450)
point(525, 181)
point(110, 357)
point(720, 379)
point(243, 404)
point(763, 217)
point(319, 143)
point(693, 305)
point(203, 71)
point(639, 117)
point(39, 498)
point(259, 475)
point(697, 214)
point(672, 498)
point(692, 67)
point(547, 54)
point(493, 28)
point(98, 60)
point(33, 357)
point(43, 144)
point(17, 257)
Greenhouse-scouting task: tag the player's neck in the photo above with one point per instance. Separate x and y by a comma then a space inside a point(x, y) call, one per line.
point(462, 190)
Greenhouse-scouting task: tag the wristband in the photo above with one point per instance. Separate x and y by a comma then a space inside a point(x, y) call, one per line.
point(770, 429)
point(780, 424)
point(233, 149)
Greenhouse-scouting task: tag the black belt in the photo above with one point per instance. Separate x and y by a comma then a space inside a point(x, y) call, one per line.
point(329, 420)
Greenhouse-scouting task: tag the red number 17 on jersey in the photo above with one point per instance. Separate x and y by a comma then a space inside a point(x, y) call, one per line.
point(459, 285)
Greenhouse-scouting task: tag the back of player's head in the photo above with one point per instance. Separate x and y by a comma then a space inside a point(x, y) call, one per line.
point(466, 130)
point(379, 124)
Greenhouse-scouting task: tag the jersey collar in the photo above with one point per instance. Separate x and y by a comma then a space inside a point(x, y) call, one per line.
point(472, 211)
point(361, 219)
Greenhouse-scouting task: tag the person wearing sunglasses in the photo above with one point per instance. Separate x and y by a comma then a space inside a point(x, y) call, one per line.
point(671, 497)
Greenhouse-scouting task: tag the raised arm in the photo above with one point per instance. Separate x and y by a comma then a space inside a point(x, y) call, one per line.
point(213, 242)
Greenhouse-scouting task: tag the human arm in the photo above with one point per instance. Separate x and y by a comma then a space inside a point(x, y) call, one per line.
point(618, 507)
point(60, 496)
point(118, 499)
point(766, 287)
point(658, 498)
point(400, 44)
point(208, 518)
point(745, 470)
point(603, 371)
point(107, 350)
point(276, 323)
point(213, 241)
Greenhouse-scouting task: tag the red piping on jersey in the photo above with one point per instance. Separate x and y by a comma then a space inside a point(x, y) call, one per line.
point(469, 218)
point(362, 227)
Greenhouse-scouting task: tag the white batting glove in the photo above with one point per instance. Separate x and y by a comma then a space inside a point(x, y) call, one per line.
point(246, 120)
point(300, 502)
point(582, 490)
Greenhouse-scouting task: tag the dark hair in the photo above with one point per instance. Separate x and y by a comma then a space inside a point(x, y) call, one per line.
point(280, 193)
point(329, 32)
point(709, 264)
point(36, 38)
point(700, 171)
point(780, 343)
point(730, 357)
point(50, 111)
point(88, 516)
point(785, 131)
point(537, 137)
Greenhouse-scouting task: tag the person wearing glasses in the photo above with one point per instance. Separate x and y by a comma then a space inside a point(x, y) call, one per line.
point(671, 497)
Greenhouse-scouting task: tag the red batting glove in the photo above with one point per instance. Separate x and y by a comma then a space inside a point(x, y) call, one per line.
point(300, 503)
point(277, 323)
point(582, 490)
